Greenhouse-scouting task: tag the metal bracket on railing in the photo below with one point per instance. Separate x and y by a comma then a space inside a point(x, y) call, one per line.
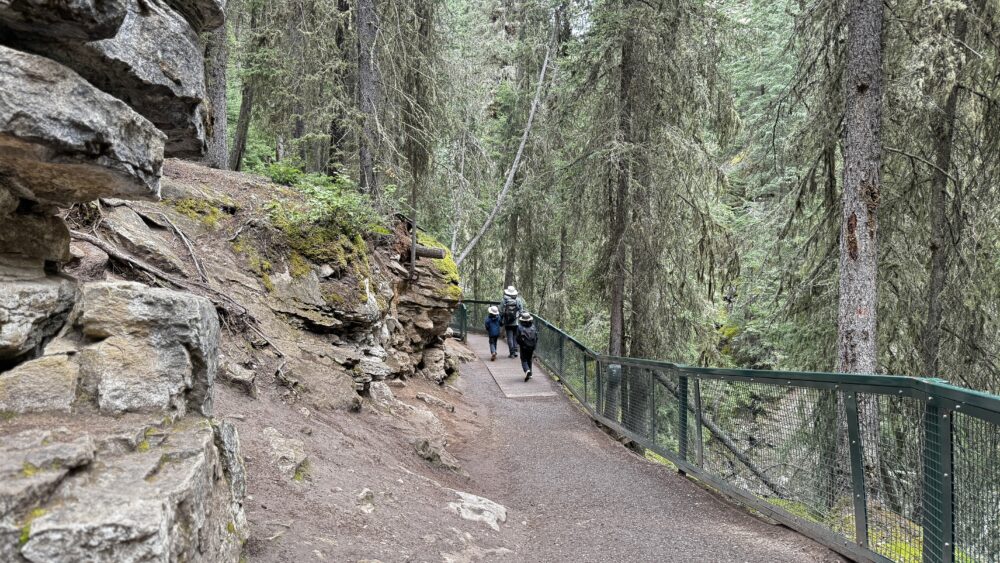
point(857, 470)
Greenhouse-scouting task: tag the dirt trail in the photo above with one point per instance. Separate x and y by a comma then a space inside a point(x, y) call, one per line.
point(575, 494)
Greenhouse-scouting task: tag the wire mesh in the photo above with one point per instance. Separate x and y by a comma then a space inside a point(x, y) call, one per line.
point(929, 474)
point(892, 431)
point(785, 445)
point(976, 447)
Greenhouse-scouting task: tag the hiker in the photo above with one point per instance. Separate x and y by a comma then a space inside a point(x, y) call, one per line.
point(511, 307)
point(493, 328)
point(527, 337)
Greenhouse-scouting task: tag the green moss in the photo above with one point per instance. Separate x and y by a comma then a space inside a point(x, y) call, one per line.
point(268, 284)
point(298, 266)
point(796, 508)
point(301, 472)
point(26, 526)
point(331, 296)
point(231, 527)
point(446, 267)
point(143, 446)
point(657, 458)
point(28, 469)
point(197, 209)
point(7, 415)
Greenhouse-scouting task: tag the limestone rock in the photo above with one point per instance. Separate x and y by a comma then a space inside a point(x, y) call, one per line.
point(240, 377)
point(381, 395)
point(204, 15)
point(128, 230)
point(33, 462)
point(173, 330)
point(434, 401)
point(433, 450)
point(288, 454)
point(44, 384)
point(64, 141)
point(130, 374)
point(58, 19)
point(34, 236)
point(479, 509)
point(169, 503)
point(154, 63)
point(31, 312)
point(87, 262)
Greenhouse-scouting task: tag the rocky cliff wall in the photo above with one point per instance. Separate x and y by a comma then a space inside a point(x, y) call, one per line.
point(107, 448)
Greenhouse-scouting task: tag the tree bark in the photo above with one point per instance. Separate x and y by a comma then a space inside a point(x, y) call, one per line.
point(857, 317)
point(368, 93)
point(944, 132)
point(618, 216)
point(339, 128)
point(242, 126)
point(217, 59)
point(862, 184)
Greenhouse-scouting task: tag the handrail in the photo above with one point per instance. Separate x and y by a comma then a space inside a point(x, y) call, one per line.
point(876, 467)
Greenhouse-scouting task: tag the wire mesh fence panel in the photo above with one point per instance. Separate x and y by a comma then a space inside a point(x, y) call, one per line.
point(666, 426)
point(782, 444)
point(892, 436)
point(878, 467)
point(976, 447)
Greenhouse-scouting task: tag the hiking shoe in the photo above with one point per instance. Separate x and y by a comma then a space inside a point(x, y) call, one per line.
point(493, 357)
point(527, 375)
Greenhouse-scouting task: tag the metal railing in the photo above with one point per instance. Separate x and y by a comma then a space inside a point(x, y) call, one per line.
point(878, 468)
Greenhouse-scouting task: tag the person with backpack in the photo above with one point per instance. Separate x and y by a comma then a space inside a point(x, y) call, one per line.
point(510, 308)
point(527, 337)
point(493, 327)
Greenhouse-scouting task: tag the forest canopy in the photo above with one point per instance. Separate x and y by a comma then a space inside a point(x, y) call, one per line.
point(774, 184)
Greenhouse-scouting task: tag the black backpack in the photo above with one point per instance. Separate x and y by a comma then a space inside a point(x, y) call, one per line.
point(510, 312)
point(529, 336)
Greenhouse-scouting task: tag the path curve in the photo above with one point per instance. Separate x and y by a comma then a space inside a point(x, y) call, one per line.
point(575, 494)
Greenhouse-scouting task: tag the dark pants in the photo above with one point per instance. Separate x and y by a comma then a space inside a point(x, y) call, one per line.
point(493, 344)
point(526, 355)
point(512, 339)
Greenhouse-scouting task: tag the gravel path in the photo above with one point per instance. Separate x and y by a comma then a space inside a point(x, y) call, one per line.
point(575, 494)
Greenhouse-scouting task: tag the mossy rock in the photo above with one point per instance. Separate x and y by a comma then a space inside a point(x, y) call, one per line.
point(198, 209)
point(446, 267)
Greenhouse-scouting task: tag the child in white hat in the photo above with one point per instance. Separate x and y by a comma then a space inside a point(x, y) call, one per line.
point(493, 328)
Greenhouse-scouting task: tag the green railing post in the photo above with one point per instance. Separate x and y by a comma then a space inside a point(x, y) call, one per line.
point(938, 486)
point(651, 403)
point(857, 470)
point(465, 322)
point(699, 449)
point(682, 416)
point(562, 358)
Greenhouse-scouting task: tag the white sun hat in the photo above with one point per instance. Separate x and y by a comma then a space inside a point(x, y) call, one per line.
point(526, 317)
point(510, 291)
point(493, 310)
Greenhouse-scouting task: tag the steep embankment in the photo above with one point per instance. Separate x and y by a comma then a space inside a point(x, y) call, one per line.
point(331, 363)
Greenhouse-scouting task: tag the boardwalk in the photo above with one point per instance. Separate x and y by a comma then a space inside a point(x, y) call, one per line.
point(575, 494)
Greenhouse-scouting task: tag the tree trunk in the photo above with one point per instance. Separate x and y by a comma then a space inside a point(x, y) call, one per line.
point(857, 319)
point(618, 220)
point(509, 246)
point(339, 127)
point(242, 127)
point(368, 93)
point(216, 60)
point(862, 183)
point(944, 131)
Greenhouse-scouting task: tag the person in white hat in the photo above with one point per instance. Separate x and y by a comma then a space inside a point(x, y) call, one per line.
point(527, 337)
point(510, 309)
point(493, 328)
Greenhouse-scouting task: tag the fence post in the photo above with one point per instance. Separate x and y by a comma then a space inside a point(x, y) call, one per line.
point(651, 386)
point(699, 449)
point(562, 358)
point(682, 418)
point(938, 486)
point(857, 470)
point(465, 322)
